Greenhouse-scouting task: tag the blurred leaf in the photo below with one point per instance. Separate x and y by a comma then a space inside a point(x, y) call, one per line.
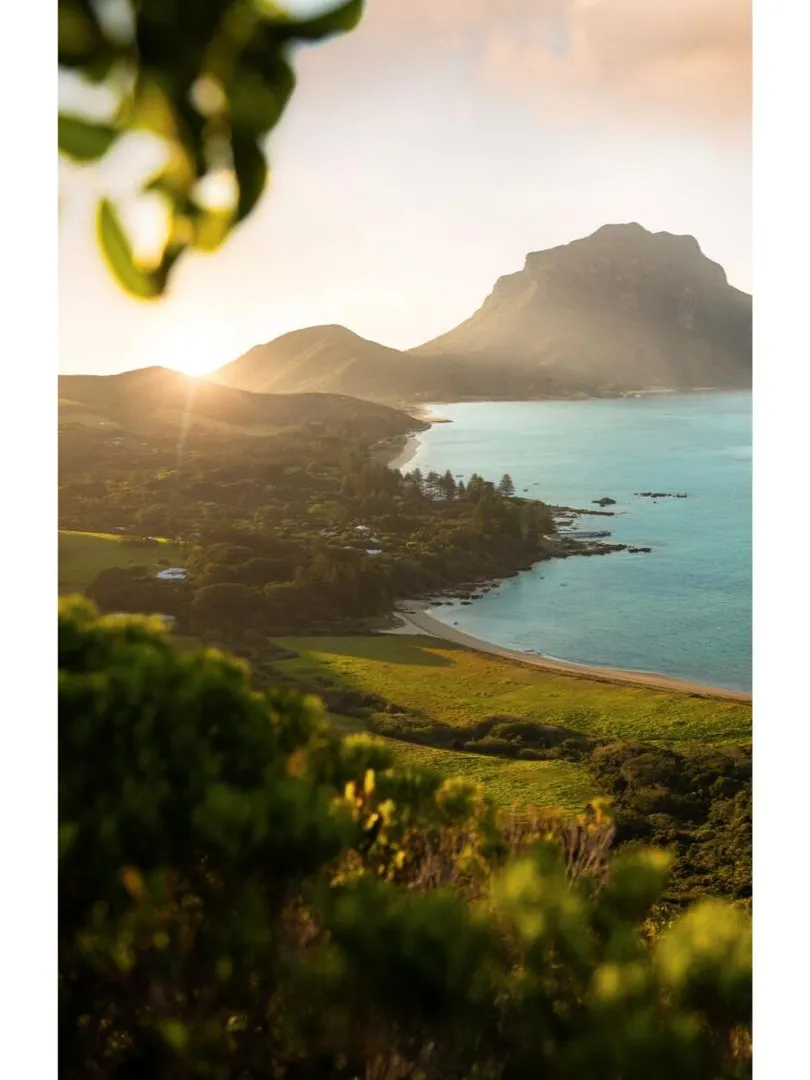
point(337, 21)
point(118, 252)
point(133, 882)
point(83, 140)
point(152, 111)
point(175, 1033)
point(80, 36)
point(251, 173)
point(234, 47)
point(256, 103)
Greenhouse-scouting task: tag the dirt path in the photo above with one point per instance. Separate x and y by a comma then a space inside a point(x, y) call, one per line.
point(418, 622)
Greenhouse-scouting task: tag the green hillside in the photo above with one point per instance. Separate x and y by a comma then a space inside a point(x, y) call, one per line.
point(459, 687)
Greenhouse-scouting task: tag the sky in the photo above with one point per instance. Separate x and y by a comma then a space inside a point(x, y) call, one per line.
point(423, 155)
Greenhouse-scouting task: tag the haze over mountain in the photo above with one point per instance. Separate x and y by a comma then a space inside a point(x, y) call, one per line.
point(158, 397)
point(619, 311)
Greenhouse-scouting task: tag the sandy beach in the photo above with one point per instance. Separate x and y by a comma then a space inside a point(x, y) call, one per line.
point(407, 452)
point(414, 620)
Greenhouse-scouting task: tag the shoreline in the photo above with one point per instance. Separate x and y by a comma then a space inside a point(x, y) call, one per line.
point(404, 455)
point(422, 409)
point(415, 620)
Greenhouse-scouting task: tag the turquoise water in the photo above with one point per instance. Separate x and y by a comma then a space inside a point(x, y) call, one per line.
point(684, 610)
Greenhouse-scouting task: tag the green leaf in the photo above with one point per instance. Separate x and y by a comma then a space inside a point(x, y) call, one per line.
point(250, 167)
point(83, 140)
point(118, 252)
point(255, 102)
point(211, 228)
point(339, 20)
point(80, 36)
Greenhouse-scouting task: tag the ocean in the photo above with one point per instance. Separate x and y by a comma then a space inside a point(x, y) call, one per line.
point(684, 610)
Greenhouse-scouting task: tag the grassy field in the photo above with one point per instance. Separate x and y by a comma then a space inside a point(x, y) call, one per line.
point(460, 687)
point(508, 782)
point(82, 556)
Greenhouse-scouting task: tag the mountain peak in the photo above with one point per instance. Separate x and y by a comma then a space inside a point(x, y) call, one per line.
point(622, 309)
point(627, 228)
point(322, 332)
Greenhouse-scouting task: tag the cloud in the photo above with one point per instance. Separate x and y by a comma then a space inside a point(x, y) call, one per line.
point(689, 60)
point(621, 61)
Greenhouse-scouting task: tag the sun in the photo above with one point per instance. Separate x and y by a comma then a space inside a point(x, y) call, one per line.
point(196, 367)
point(191, 347)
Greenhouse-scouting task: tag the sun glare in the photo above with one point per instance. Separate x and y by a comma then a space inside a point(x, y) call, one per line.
point(190, 349)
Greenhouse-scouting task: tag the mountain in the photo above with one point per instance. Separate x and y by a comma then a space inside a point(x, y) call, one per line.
point(157, 397)
point(623, 309)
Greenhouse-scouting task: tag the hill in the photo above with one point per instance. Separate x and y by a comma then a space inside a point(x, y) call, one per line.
point(622, 310)
point(317, 358)
point(335, 360)
point(157, 397)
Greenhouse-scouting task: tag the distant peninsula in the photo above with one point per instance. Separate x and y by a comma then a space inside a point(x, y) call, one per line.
point(622, 311)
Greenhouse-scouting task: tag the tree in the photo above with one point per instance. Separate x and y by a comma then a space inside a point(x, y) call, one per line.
point(211, 78)
point(227, 605)
point(506, 487)
point(447, 485)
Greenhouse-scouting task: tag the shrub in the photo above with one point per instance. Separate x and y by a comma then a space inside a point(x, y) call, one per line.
point(243, 894)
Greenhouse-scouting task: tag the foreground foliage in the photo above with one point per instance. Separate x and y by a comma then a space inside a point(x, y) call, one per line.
point(210, 79)
point(244, 894)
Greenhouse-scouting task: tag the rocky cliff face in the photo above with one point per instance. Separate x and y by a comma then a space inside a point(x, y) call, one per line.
point(623, 309)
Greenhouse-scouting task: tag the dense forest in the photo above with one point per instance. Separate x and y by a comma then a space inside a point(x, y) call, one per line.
point(305, 530)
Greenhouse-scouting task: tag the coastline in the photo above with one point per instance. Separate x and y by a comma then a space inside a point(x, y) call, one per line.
point(416, 621)
point(404, 455)
point(422, 409)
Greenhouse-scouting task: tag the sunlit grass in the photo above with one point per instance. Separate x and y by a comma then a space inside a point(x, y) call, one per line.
point(459, 687)
point(509, 783)
point(83, 555)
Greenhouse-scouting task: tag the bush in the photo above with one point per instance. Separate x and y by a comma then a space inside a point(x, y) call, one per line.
point(490, 745)
point(243, 894)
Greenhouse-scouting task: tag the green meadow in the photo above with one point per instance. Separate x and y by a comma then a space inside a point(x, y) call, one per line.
point(459, 687)
point(456, 686)
point(508, 782)
point(83, 555)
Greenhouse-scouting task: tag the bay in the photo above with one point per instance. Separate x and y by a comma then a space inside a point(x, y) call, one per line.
point(684, 610)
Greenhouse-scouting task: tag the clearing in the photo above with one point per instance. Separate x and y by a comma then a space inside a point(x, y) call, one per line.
point(83, 555)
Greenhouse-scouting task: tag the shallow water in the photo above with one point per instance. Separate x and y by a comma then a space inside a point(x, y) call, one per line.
point(684, 610)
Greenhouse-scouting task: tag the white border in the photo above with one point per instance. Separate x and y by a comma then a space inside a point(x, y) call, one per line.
point(28, 433)
point(781, 593)
point(28, 784)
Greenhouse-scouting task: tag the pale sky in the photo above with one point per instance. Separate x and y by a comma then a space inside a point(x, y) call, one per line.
point(424, 154)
